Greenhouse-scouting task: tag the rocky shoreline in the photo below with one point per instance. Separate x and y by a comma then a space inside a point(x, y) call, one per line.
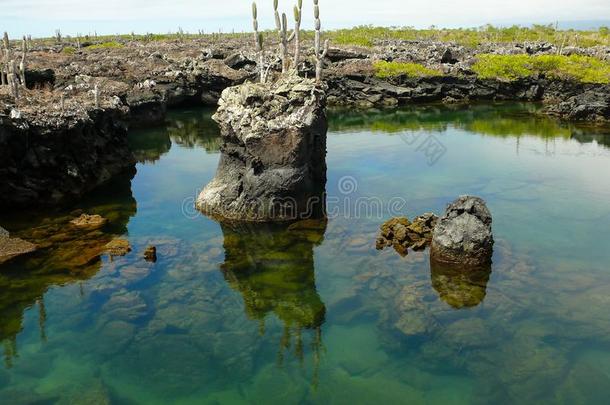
point(60, 140)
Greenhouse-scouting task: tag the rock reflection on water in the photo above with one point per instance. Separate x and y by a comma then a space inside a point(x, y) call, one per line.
point(272, 267)
point(150, 145)
point(184, 128)
point(66, 254)
point(502, 120)
point(195, 131)
point(459, 287)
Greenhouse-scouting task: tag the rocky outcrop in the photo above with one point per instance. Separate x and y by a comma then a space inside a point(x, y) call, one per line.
point(591, 105)
point(13, 247)
point(273, 161)
point(51, 159)
point(463, 236)
point(367, 91)
point(402, 234)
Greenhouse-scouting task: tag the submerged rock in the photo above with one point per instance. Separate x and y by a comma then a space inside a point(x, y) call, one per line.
point(402, 234)
point(89, 221)
point(273, 162)
point(118, 247)
point(13, 247)
point(150, 255)
point(463, 235)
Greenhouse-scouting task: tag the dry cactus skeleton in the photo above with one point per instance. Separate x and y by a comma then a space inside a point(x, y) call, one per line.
point(12, 72)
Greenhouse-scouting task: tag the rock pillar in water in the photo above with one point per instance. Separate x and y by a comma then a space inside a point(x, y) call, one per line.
point(462, 237)
point(273, 158)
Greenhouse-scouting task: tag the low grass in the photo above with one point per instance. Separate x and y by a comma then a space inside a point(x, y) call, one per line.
point(384, 70)
point(583, 69)
point(68, 50)
point(106, 45)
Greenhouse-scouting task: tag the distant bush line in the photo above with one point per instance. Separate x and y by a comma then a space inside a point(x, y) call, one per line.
point(368, 35)
point(472, 37)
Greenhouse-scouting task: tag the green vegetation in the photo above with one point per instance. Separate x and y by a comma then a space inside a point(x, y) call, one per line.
point(385, 69)
point(68, 50)
point(104, 45)
point(368, 35)
point(511, 67)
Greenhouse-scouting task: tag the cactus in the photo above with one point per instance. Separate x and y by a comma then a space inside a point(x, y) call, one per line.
point(2, 73)
point(281, 25)
point(58, 36)
point(319, 56)
point(96, 95)
point(12, 80)
point(24, 50)
point(298, 14)
point(258, 37)
point(6, 58)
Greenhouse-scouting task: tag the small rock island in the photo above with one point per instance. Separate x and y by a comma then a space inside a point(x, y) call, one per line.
point(273, 157)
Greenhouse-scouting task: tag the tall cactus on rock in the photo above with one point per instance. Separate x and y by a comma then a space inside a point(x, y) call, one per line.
point(2, 68)
point(6, 58)
point(298, 14)
point(282, 28)
point(319, 55)
point(12, 79)
point(259, 43)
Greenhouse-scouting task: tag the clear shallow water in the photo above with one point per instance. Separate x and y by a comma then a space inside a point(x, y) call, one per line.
point(314, 314)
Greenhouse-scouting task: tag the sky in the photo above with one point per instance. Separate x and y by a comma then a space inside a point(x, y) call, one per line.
point(43, 17)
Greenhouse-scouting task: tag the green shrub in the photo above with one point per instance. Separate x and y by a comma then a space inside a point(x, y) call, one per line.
point(68, 50)
point(385, 69)
point(584, 69)
point(105, 45)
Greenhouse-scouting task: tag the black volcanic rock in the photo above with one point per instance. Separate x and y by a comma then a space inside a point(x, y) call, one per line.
point(463, 235)
point(273, 163)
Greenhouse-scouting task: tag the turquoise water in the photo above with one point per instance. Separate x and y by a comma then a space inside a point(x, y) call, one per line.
point(313, 313)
